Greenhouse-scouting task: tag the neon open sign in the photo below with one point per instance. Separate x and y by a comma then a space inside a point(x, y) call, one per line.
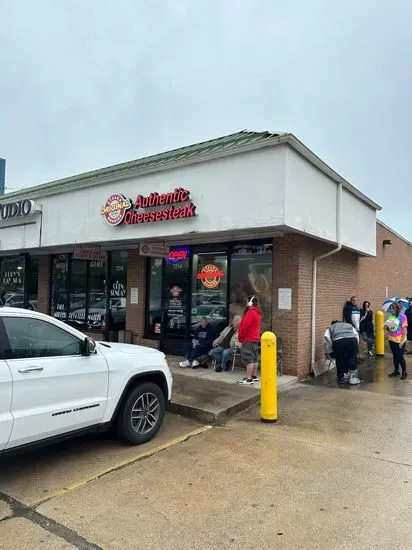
point(177, 255)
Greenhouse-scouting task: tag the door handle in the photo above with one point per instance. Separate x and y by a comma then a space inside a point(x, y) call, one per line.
point(30, 369)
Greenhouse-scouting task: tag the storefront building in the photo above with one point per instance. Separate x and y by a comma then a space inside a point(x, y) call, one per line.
point(139, 252)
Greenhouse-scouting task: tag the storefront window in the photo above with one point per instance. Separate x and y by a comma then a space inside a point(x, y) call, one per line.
point(60, 287)
point(251, 274)
point(209, 289)
point(12, 272)
point(33, 281)
point(154, 310)
point(79, 292)
point(96, 314)
point(118, 286)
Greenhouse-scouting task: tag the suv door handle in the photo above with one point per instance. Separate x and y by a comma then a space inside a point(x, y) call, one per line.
point(30, 369)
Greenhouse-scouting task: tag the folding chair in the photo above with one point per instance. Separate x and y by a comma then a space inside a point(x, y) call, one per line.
point(330, 361)
point(236, 355)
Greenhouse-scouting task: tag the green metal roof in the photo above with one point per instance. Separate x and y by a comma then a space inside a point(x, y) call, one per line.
point(160, 161)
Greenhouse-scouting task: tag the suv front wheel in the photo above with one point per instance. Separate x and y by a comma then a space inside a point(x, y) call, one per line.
point(141, 414)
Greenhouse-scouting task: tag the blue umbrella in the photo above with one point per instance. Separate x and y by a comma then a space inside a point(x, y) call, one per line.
point(387, 303)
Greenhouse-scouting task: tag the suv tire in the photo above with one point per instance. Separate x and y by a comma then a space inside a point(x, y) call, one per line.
point(141, 413)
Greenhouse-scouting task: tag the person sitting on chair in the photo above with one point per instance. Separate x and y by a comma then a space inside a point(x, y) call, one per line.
point(224, 346)
point(200, 345)
point(343, 338)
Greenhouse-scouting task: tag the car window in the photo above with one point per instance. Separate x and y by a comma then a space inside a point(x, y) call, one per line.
point(204, 310)
point(36, 338)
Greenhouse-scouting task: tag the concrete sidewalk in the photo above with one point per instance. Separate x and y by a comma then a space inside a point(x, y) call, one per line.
point(373, 371)
point(213, 397)
point(334, 473)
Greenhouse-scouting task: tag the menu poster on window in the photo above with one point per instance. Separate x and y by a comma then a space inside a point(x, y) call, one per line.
point(176, 307)
point(175, 301)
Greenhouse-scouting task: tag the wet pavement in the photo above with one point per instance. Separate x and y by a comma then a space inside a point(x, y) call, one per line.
point(373, 371)
point(335, 471)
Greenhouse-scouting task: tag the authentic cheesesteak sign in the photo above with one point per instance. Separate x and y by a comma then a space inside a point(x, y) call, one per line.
point(17, 209)
point(176, 205)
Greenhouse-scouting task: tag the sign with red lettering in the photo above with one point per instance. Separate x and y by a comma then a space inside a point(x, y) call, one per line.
point(152, 208)
point(154, 250)
point(177, 255)
point(210, 276)
point(81, 252)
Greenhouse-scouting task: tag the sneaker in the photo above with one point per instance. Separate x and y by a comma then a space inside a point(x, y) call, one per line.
point(394, 373)
point(255, 379)
point(354, 379)
point(404, 375)
point(195, 364)
point(346, 377)
point(370, 353)
point(184, 364)
point(218, 369)
point(245, 382)
point(342, 380)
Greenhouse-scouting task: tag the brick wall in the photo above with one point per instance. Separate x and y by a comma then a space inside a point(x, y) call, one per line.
point(292, 268)
point(43, 290)
point(391, 268)
point(136, 278)
point(285, 270)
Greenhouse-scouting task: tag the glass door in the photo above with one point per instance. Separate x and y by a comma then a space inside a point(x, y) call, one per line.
point(209, 290)
point(175, 305)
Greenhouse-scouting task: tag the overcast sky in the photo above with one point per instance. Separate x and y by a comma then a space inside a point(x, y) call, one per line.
point(89, 83)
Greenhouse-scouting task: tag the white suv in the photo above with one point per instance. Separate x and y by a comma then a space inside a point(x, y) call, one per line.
point(55, 383)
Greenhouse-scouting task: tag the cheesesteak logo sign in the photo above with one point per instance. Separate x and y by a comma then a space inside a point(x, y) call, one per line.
point(210, 276)
point(115, 209)
point(152, 208)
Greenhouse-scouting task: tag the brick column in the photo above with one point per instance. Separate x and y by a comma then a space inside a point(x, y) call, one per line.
point(43, 289)
point(135, 313)
point(285, 275)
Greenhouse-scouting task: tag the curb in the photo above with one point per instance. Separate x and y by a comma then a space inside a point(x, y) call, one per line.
point(219, 418)
point(210, 417)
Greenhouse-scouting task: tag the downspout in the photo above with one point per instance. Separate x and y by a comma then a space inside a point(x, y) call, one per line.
point(315, 270)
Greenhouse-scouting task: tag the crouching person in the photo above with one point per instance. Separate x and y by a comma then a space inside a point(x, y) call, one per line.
point(224, 346)
point(343, 339)
point(200, 345)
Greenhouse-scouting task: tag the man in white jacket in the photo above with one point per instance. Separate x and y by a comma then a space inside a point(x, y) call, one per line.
point(224, 346)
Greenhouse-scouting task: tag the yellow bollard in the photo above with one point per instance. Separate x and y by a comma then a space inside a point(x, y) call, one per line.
point(268, 376)
point(379, 334)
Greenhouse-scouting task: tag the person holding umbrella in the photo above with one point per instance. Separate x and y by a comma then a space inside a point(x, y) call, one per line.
point(397, 326)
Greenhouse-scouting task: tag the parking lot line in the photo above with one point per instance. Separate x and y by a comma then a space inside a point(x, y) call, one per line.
point(124, 463)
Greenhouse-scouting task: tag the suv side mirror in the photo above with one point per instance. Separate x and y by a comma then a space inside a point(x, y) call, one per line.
point(89, 346)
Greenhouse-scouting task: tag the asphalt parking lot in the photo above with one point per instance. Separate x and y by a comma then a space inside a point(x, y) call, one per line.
point(335, 472)
point(29, 480)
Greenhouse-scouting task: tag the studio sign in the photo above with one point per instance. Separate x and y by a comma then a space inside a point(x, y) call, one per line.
point(20, 209)
point(176, 205)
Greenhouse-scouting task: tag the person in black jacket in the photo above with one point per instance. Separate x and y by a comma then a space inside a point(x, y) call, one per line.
point(367, 330)
point(408, 314)
point(200, 345)
point(351, 313)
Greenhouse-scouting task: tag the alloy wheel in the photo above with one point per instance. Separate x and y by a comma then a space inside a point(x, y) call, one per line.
point(145, 413)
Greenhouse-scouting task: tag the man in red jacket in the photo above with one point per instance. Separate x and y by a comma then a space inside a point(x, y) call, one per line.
point(249, 337)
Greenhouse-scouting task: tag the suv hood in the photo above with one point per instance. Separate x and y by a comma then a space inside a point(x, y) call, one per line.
point(129, 349)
